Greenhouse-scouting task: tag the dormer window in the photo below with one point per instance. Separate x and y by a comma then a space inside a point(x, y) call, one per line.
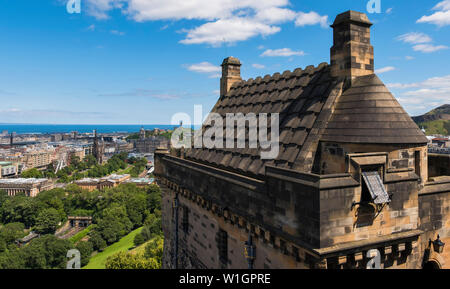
point(376, 188)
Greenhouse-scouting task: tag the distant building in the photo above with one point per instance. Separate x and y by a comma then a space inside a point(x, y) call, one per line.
point(442, 142)
point(98, 148)
point(149, 144)
point(8, 169)
point(110, 181)
point(25, 240)
point(140, 182)
point(38, 159)
point(31, 187)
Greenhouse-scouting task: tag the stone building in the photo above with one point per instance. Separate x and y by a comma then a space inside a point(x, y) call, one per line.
point(31, 187)
point(101, 184)
point(38, 159)
point(349, 186)
point(8, 169)
point(98, 148)
point(149, 144)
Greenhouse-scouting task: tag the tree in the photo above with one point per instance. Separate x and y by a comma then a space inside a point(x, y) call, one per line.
point(46, 252)
point(124, 260)
point(138, 240)
point(11, 232)
point(90, 160)
point(154, 198)
point(86, 249)
point(136, 208)
point(19, 208)
point(96, 240)
point(154, 250)
point(47, 221)
point(32, 173)
point(74, 160)
point(114, 224)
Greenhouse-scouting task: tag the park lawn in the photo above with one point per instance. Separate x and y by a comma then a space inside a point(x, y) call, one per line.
point(80, 235)
point(123, 245)
point(125, 171)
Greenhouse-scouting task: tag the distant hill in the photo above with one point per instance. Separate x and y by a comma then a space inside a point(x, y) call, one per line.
point(436, 121)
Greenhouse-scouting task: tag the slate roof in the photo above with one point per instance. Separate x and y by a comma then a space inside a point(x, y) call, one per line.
point(368, 113)
point(297, 96)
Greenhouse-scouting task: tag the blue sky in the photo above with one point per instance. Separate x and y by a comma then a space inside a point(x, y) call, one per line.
point(141, 61)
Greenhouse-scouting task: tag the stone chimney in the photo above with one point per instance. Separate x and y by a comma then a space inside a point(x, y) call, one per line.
point(352, 53)
point(231, 73)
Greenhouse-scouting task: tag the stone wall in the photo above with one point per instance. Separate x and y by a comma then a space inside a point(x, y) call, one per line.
point(297, 220)
point(333, 157)
point(198, 243)
point(434, 219)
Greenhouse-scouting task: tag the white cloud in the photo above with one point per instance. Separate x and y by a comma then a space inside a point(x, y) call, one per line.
point(385, 69)
point(204, 67)
point(275, 15)
point(421, 41)
point(258, 66)
point(439, 18)
point(311, 18)
point(429, 48)
point(117, 32)
point(414, 38)
point(100, 8)
point(389, 10)
point(283, 52)
point(409, 57)
point(228, 31)
point(91, 27)
point(443, 5)
point(430, 93)
point(226, 21)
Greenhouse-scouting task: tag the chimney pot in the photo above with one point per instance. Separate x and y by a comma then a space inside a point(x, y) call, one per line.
point(352, 54)
point(231, 73)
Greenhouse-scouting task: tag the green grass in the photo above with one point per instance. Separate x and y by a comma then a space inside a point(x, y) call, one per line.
point(80, 235)
point(436, 127)
point(125, 171)
point(123, 245)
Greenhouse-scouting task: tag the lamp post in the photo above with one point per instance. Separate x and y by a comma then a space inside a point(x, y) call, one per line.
point(438, 245)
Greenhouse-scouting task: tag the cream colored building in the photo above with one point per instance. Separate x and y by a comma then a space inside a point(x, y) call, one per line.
point(110, 181)
point(38, 159)
point(31, 187)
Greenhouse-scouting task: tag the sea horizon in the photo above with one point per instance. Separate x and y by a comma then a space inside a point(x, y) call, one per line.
point(35, 128)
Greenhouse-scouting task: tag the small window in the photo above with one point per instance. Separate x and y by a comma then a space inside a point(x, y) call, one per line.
point(185, 220)
point(417, 162)
point(222, 243)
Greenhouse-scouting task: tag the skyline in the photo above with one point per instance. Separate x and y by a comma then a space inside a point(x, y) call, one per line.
point(128, 62)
